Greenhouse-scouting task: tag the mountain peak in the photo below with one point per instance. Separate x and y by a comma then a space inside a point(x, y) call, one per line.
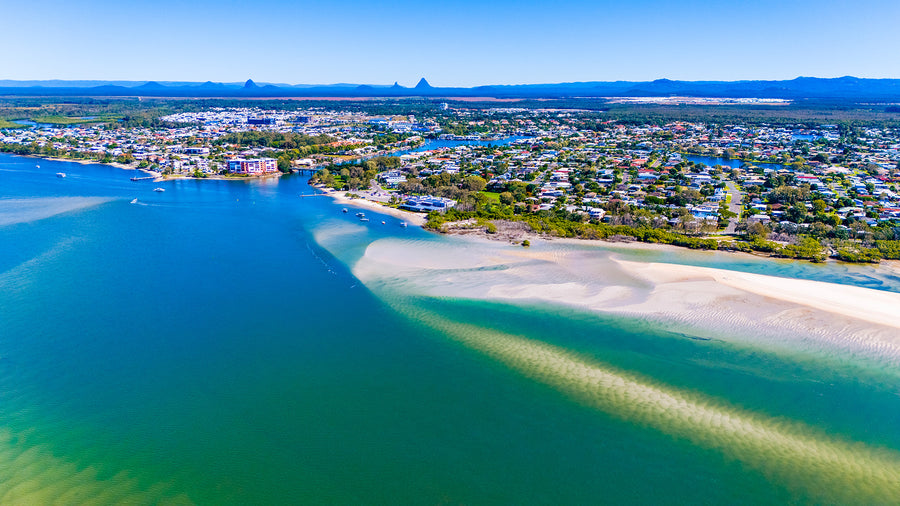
point(423, 85)
point(250, 84)
point(397, 86)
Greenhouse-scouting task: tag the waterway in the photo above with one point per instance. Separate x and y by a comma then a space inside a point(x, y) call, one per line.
point(212, 344)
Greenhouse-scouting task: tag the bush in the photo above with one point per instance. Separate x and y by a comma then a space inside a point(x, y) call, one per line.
point(858, 254)
point(808, 249)
point(890, 250)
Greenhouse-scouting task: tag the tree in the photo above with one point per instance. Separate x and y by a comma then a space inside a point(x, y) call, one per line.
point(475, 183)
point(819, 206)
point(796, 213)
point(757, 230)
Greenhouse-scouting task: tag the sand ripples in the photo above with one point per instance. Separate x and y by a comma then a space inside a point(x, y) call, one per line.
point(808, 462)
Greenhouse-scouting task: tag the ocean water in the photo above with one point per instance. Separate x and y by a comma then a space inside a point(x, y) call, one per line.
point(211, 344)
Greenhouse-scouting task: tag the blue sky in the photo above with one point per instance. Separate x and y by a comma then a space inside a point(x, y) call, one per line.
point(451, 43)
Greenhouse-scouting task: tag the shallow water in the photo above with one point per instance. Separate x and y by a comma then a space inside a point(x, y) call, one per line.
point(212, 344)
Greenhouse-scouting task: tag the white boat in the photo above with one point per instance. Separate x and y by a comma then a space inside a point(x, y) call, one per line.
point(159, 189)
point(403, 224)
point(364, 219)
point(60, 174)
point(344, 210)
point(37, 166)
point(134, 201)
point(360, 215)
point(382, 222)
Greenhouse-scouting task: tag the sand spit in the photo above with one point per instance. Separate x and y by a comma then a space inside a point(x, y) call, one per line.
point(873, 306)
point(828, 320)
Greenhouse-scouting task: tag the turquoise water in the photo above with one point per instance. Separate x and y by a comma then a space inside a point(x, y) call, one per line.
point(201, 345)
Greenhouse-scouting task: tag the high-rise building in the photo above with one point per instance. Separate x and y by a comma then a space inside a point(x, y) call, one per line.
point(252, 166)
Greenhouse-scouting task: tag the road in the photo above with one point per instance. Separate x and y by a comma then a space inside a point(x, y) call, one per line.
point(734, 206)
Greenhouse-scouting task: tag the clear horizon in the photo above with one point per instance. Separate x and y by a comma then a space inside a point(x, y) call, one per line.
point(176, 82)
point(461, 43)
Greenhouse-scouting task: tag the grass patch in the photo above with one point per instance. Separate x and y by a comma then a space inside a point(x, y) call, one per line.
point(493, 198)
point(65, 120)
point(4, 123)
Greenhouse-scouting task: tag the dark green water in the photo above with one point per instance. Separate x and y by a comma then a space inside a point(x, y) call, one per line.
point(202, 346)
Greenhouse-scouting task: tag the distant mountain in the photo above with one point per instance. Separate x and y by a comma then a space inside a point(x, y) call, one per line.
point(150, 85)
point(844, 88)
point(209, 85)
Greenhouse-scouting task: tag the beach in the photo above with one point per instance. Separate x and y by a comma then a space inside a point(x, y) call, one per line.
point(754, 310)
point(411, 218)
point(81, 161)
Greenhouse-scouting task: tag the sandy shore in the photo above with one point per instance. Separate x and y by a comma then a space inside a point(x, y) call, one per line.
point(410, 217)
point(828, 320)
point(864, 304)
point(83, 161)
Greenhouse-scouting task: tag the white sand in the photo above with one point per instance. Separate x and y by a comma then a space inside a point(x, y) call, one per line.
point(873, 306)
point(753, 310)
point(409, 217)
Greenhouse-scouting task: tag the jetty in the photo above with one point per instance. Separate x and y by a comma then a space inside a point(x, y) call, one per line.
point(145, 178)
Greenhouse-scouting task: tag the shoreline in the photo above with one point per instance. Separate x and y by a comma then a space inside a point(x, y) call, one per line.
point(157, 176)
point(782, 315)
point(514, 232)
point(410, 217)
point(84, 161)
point(217, 177)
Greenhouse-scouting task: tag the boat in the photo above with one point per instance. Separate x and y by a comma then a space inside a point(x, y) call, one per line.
point(37, 166)
point(382, 222)
point(344, 210)
point(403, 224)
point(134, 201)
point(60, 174)
point(364, 219)
point(159, 189)
point(360, 215)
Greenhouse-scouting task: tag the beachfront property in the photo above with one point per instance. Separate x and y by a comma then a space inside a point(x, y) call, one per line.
point(618, 168)
point(427, 203)
point(252, 165)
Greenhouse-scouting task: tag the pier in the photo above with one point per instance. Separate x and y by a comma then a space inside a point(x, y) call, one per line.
point(145, 178)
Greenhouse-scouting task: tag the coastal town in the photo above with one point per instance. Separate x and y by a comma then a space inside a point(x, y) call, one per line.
point(799, 190)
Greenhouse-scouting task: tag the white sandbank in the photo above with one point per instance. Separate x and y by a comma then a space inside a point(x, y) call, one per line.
point(873, 306)
point(752, 310)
